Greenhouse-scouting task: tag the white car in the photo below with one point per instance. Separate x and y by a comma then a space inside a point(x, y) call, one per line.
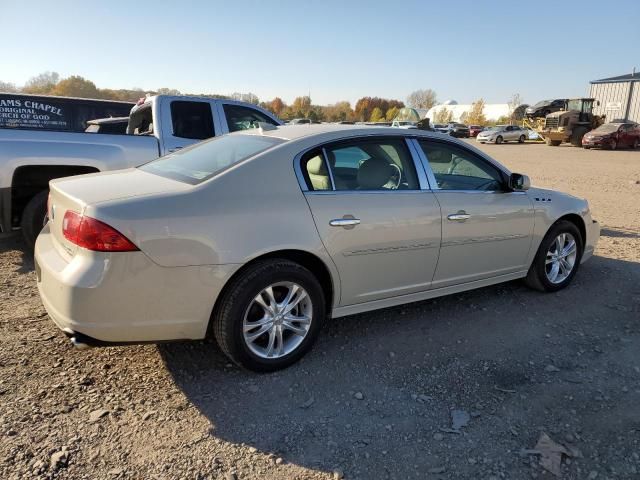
point(255, 238)
point(503, 133)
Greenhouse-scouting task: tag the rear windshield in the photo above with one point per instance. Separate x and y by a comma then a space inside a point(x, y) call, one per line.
point(204, 160)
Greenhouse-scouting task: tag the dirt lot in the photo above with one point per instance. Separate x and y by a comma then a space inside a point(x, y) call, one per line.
point(375, 398)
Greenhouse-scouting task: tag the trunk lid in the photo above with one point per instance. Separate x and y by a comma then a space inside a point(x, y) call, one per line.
point(76, 193)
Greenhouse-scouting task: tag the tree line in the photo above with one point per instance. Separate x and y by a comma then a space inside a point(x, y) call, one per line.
point(366, 109)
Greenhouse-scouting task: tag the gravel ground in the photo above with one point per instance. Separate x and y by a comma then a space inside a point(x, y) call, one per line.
point(459, 387)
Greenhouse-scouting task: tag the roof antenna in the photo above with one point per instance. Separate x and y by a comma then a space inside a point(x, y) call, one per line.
point(633, 72)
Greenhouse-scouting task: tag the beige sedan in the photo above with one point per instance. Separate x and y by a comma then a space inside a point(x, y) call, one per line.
point(257, 237)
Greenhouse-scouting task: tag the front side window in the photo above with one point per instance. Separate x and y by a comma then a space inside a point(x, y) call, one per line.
point(192, 120)
point(458, 169)
point(243, 118)
point(384, 164)
point(202, 161)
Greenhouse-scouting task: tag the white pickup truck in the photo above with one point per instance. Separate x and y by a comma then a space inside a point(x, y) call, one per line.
point(157, 126)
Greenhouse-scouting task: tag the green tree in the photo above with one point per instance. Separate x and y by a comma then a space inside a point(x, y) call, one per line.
point(376, 115)
point(476, 115)
point(391, 113)
point(422, 99)
point(301, 106)
point(76, 86)
point(443, 115)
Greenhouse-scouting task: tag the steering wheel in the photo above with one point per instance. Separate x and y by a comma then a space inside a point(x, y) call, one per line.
point(399, 182)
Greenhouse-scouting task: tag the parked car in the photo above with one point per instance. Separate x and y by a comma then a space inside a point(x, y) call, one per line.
point(157, 125)
point(545, 107)
point(613, 135)
point(299, 121)
point(458, 130)
point(474, 130)
point(256, 237)
point(111, 125)
point(503, 133)
point(55, 114)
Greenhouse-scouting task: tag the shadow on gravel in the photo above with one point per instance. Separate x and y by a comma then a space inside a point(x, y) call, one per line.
point(13, 242)
point(480, 351)
point(618, 233)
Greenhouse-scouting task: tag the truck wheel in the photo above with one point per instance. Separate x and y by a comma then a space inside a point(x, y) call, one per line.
point(553, 143)
point(576, 136)
point(33, 218)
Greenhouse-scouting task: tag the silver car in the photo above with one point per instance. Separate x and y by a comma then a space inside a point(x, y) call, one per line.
point(503, 133)
point(257, 237)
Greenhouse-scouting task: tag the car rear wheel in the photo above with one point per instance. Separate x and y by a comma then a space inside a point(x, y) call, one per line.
point(521, 139)
point(557, 259)
point(270, 315)
point(34, 218)
point(499, 139)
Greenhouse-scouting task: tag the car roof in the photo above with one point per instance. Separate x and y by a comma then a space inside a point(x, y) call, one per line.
point(296, 131)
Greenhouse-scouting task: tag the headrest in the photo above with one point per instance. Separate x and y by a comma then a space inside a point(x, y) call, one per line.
point(316, 166)
point(374, 174)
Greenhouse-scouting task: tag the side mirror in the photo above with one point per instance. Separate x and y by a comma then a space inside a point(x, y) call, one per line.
point(519, 182)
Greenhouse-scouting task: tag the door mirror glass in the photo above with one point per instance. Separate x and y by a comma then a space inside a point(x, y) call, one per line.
point(519, 182)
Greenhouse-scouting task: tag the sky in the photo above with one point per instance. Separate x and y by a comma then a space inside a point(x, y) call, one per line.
point(334, 50)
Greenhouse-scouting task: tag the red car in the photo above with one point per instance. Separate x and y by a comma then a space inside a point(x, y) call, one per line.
point(613, 135)
point(474, 130)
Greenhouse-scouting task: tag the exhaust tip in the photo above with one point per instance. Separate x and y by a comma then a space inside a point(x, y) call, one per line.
point(79, 344)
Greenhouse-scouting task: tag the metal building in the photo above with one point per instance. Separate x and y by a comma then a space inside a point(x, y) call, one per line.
point(619, 97)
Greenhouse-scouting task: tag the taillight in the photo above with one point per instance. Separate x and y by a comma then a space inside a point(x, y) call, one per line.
point(92, 234)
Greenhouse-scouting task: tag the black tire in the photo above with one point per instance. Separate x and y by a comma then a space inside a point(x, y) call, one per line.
point(33, 218)
point(636, 144)
point(536, 277)
point(577, 134)
point(553, 143)
point(613, 145)
point(499, 139)
point(521, 139)
point(227, 318)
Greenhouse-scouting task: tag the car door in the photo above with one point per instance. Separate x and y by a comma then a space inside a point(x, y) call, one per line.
point(486, 228)
point(510, 133)
point(186, 122)
point(375, 215)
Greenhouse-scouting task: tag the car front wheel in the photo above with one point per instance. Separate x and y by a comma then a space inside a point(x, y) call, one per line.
point(557, 259)
point(270, 315)
point(499, 139)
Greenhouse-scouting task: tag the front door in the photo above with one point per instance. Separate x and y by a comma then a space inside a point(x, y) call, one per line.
point(486, 229)
point(380, 227)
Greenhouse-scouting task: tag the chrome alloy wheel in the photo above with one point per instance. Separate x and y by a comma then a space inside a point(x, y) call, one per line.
point(277, 320)
point(561, 258)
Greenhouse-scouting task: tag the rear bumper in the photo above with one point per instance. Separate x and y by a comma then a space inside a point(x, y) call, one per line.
point(5, 210)
point(125, 297)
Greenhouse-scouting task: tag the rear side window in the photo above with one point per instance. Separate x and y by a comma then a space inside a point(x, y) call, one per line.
point(202, 161)
point(383, 164)
point(243, 118)
point(192, 120)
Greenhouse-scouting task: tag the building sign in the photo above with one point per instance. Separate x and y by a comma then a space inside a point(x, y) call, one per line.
point(613, 106)
point(33, 113)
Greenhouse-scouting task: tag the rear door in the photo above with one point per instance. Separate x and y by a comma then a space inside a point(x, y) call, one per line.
point(185, 122)
point(236, 117)
point(375, 215)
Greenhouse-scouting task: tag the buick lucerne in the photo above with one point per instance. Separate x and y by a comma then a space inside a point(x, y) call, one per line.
point(257, 236)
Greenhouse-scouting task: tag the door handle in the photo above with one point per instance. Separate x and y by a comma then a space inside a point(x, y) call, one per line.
point(461, 216)
point(344, 222)
point(175, 149)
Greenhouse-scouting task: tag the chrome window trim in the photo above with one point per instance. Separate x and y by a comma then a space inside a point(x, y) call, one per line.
point(325, 158)
point(297, 167)
point(424, 163)
point(474, 151)
point(423, 181)
point(360, 192)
